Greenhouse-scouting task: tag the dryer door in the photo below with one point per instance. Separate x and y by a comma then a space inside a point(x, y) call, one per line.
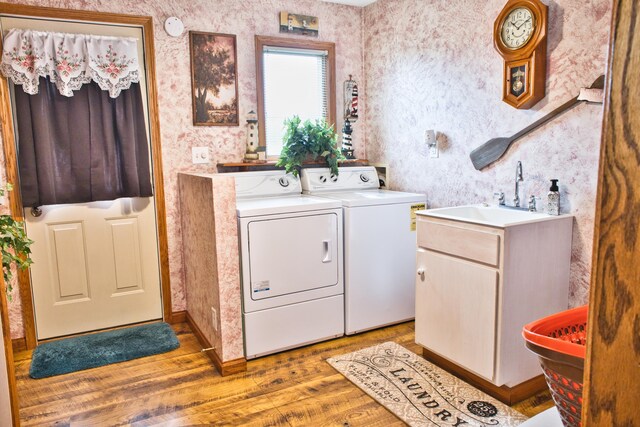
point(294, 254)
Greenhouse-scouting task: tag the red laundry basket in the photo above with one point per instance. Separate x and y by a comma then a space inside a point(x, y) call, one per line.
point(559, 341)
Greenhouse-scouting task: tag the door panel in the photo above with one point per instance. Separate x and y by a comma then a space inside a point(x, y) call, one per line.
point(456, 310)
point(291, 255)
point(68, 251)
point(127, 251)
point(98, 271)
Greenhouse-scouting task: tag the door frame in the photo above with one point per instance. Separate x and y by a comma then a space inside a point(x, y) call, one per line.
point(11, 160)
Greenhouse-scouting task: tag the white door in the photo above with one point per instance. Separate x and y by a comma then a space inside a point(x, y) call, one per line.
point(456, 310)
point(95, 264)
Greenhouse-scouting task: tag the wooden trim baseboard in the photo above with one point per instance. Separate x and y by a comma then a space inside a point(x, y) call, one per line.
point(19, 344)
point(505, 394)
point(225, 368)
point(177, 317)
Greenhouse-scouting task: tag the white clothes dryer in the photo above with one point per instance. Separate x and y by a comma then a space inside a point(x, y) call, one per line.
point(291, 263)
point(379, 245)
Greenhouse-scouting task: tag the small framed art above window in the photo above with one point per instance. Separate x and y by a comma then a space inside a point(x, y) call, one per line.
point(294, 78)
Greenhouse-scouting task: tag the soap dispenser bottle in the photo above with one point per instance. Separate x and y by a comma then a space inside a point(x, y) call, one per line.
point(553, 199)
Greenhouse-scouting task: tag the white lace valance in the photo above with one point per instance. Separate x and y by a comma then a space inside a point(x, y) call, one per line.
point(69, 60)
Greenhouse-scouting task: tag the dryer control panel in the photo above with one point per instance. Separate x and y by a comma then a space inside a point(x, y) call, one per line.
point(265, 184)
point(349, 178)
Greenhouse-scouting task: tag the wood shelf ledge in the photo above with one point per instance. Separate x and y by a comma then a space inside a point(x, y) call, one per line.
point(271, 165)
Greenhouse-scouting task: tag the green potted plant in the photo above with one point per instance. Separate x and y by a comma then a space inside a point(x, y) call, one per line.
point(308, 141)
point(15, 245)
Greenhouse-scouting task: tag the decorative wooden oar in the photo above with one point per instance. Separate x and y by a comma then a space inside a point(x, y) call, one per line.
point(495, 148)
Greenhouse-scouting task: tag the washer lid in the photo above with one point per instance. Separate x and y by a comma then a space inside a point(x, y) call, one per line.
point(374, 197)
point(281, 205)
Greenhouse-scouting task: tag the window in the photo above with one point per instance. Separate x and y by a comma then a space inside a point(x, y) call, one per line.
point(294, 78)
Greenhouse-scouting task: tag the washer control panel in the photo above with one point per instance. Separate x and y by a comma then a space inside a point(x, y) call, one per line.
point(349, 178)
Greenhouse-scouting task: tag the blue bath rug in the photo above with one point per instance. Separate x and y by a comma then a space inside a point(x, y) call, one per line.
point(103, 348)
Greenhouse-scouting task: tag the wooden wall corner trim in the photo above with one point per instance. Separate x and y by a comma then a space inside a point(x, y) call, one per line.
point(178, 317)
point(611, 373)
point(19, 344)
point(225, 368)
point(8, 350)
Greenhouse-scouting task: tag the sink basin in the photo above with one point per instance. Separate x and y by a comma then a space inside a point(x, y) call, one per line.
point(489, 215)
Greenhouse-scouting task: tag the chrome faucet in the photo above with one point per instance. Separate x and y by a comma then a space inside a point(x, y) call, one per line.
point(531, 205)
point(519, 179)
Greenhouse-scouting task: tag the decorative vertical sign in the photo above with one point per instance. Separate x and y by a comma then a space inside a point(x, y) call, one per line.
point(299, 24)
point(350, 114)
point(351, 100)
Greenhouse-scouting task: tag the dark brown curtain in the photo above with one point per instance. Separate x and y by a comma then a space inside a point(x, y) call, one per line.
point(83, 148)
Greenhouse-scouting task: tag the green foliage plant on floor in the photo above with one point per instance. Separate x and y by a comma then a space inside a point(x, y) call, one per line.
point(15, 245)
point(308, 141)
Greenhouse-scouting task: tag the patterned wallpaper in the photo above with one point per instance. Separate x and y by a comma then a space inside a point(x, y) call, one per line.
point(420, 64)
point(431, 64)
point(338, 23)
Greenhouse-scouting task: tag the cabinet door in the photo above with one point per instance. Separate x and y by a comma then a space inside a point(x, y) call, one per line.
point(456, 310)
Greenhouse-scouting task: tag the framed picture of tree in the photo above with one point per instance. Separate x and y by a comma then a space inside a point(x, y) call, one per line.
point(214, 79)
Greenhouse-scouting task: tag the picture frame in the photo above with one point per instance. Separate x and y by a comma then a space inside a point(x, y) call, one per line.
point(294, 23)
point(214, 79)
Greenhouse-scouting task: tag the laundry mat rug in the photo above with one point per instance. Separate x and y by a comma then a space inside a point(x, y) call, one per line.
point(90, 351)
point(420, 393)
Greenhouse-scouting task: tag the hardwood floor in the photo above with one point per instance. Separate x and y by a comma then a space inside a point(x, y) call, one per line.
point(294, 388)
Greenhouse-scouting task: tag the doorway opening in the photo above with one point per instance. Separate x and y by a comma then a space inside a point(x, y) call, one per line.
point(110, 252)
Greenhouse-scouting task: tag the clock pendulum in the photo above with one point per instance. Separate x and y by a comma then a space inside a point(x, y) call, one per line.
point(517, 79)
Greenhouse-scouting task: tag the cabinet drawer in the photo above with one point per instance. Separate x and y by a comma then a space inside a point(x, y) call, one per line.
point(473, 244)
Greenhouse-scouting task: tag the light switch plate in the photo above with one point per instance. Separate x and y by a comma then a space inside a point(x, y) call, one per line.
point(432, 143)
point(430, 137)
point(200, 155)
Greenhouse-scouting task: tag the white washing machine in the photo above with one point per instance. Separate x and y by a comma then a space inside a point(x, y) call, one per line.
point(379, 245)
point(291, 263)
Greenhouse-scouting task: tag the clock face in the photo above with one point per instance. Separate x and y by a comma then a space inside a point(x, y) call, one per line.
point(517, 28)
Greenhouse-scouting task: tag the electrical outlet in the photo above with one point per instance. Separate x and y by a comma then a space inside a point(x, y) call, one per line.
point(214, 318)
point(434, 153)
point(199, 155)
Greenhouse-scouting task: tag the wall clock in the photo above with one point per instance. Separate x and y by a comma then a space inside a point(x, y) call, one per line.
point(520, 36)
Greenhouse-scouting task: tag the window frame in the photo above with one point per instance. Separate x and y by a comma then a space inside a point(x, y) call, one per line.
point(329, 47)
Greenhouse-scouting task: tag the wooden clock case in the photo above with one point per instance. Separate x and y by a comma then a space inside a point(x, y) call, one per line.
point(532, 56)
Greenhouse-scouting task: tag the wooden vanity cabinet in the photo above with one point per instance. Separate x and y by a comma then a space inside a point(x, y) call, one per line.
point(478, 285)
